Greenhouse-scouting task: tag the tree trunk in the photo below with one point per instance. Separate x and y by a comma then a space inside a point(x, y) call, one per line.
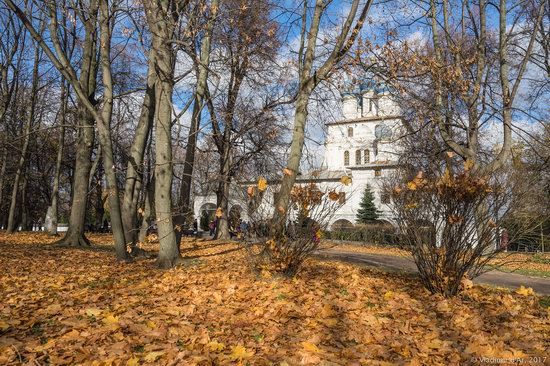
point(104, 131)
point(147, 212)
point(84, 144)
point(169, 255)
point(52, 214)
point(24, 209)
point(222, 228)
point(134, 171)
point(162, 28)
point(83, 164)
point(296, 147)
point(3, 171)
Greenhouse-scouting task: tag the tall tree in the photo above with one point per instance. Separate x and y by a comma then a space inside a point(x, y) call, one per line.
point(309, 77)
point(246, 45)
point(22, 164)
point(202, 67)
point(163, 18)
point(103, 117)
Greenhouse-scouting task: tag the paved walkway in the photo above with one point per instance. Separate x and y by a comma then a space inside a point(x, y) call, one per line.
point(395, 263)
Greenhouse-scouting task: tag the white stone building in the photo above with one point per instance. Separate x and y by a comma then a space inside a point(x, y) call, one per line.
point(361, 146)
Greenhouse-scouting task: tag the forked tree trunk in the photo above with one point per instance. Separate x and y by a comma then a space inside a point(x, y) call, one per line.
point(134, 171)
point(309, 79)
point(85, 140)
point(83, 164)
point(162, 27)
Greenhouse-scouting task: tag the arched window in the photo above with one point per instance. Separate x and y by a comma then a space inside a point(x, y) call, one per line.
point(358, 157)
point(350, 131)
point(346, 158)
point(367, 156)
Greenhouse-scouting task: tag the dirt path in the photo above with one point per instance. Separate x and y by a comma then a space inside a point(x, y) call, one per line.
point(395, 263)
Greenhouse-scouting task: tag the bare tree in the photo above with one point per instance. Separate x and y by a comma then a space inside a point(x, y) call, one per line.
point(246, 52)
point(202, 68)
point(59, 58)
point(310, 76)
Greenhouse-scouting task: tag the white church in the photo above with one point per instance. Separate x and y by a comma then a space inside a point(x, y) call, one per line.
point(361, 145)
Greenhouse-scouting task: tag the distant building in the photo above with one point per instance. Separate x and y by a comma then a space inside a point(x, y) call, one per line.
point(361, 146)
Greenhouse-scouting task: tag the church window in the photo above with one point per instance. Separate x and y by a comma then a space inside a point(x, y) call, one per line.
point(346, 158)
point(358, 157)
point(367, 156)
point(378, 172)
point(350, 131)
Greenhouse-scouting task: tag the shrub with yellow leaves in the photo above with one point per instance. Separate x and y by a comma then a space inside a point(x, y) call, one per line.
point(275, 252)
point(451, 223)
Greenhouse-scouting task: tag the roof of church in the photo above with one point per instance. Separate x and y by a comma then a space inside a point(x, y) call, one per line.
point(363, 119)
point(365, 84)
point(323, 175)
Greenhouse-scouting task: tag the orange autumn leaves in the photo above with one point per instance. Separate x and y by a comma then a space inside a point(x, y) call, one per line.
point(262, 185)
point(81, 307)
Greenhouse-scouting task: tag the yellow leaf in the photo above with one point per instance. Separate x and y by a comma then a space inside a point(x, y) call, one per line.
point(310, 347)
point(287, 171)
point(134, 361)
point(153, 356)
point(411, 186)
point(345, 180)
point(239, 352)
point(262, 184)
point(110, 320)
point(215, 346)
point(151, 324)
point(525, 291)
point(4, 325)
point(388, 295)
point(283, 363)
point(93, 312)
point(468, 164)
point(219, 213)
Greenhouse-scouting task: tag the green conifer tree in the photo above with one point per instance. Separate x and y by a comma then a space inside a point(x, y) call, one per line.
point(367, 209)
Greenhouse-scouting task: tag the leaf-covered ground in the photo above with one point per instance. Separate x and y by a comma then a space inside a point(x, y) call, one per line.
point(63, 306)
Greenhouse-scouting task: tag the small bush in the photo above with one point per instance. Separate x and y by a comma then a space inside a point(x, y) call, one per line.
point(282, 252)
point(450, 225)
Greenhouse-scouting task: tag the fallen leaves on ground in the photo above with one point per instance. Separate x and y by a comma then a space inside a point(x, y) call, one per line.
point(70, 306)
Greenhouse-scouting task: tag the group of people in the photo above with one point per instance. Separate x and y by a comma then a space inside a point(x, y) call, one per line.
point(240, 228)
